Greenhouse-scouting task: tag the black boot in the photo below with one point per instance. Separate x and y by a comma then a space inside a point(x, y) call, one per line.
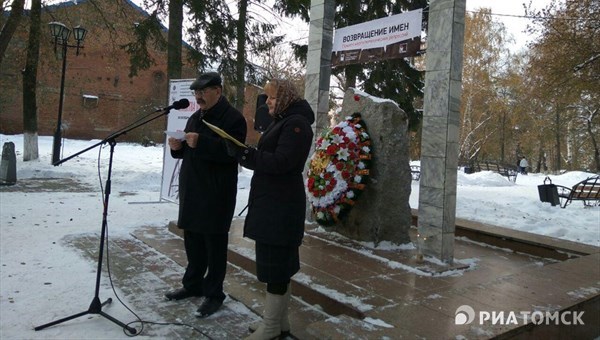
point(180, 294)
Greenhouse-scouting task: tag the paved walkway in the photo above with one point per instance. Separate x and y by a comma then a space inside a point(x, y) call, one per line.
point(348, 291)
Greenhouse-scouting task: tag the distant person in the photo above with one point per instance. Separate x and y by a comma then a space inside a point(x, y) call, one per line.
point(523, 166)
point(277, 201)
point(207, 192)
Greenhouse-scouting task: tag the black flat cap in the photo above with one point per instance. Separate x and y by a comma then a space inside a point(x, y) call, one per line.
point(206, 80)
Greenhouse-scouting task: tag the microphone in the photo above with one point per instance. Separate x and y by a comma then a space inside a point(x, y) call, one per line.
point(180, 104)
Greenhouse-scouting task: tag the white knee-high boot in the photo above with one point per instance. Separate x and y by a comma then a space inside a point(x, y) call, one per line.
point(285, 321)
point(271, 324)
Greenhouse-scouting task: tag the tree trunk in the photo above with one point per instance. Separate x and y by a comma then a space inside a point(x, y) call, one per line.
point(502, 136)
point(241, 56)
point(589, 127)
point(11, 26)
point(30, 143)
point(174, 63)
point(540, 159)
point(570, 145)
point(557, 142)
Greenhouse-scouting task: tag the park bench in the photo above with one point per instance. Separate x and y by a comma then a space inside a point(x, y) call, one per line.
point(587, 191)
point(415, 172)
point(507, 171)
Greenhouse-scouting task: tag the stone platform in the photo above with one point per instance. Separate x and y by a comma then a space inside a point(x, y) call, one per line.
point(346, 290)
point(374, 293)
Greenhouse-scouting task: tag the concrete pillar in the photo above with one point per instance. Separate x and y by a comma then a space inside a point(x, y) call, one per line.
point(439, 142)
point(318, 67)
point(8, 165)
point(318, 63)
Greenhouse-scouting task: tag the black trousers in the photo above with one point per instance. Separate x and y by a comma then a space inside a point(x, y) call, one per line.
point(207, 263)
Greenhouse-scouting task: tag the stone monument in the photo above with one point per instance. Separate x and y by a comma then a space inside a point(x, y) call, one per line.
point(382, 212)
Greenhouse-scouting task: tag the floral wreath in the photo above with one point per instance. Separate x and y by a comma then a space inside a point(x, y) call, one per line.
point(338, 169)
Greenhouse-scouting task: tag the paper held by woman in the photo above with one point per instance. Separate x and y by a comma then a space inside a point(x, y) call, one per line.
point(223, 134)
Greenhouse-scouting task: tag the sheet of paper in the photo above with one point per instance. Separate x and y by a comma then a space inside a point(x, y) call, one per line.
point(224, 134)
point(176, 134)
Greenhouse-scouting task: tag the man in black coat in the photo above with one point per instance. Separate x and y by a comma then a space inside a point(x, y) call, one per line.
point(207, 192)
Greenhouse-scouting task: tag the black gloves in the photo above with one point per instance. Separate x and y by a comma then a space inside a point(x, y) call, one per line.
point(239, 152)
point(233, 150)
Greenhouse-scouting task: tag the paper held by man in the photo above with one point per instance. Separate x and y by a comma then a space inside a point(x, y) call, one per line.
point(223, 134)
point(179, 135)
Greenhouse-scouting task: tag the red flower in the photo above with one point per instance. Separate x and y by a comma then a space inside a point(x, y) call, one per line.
point(331, 150)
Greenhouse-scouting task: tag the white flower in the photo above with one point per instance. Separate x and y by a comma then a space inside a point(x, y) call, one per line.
point(325, 144)
point(357, 179)
point(337, 139)
point(366, 149)
point(343, 154)
point(351, 134)
point(361, 165)
point(320, 215)
point(350, 194)
point(337, 209)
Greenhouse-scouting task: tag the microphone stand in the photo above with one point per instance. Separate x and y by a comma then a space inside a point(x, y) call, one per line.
point(96, 305)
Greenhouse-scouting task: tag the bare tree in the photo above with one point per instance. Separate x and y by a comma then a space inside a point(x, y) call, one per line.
point(484, 101)
point(565, 67)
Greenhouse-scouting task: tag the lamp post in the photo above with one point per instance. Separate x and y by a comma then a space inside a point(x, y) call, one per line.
point(61, 34)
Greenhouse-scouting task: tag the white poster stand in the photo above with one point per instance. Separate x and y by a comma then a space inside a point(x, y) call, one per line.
point(178, 89)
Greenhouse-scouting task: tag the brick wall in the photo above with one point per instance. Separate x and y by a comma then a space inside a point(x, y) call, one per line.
point(100, 71)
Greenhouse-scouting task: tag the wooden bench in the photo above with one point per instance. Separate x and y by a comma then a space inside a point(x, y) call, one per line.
point(587, 191)
point(415, 172)
point(507, 171)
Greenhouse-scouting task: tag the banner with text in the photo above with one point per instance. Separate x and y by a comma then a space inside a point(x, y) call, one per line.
point(396, 36)
point(178, 89)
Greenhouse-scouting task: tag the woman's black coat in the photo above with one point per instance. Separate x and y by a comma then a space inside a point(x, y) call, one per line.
point(208, 176)
point(277, 201)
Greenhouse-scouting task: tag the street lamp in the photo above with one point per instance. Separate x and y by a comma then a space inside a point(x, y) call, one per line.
point(61, 34)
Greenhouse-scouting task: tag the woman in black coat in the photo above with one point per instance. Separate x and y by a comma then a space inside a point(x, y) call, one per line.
point(277, 201)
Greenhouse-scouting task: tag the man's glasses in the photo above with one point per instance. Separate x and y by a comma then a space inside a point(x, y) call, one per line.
point(202, 92)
